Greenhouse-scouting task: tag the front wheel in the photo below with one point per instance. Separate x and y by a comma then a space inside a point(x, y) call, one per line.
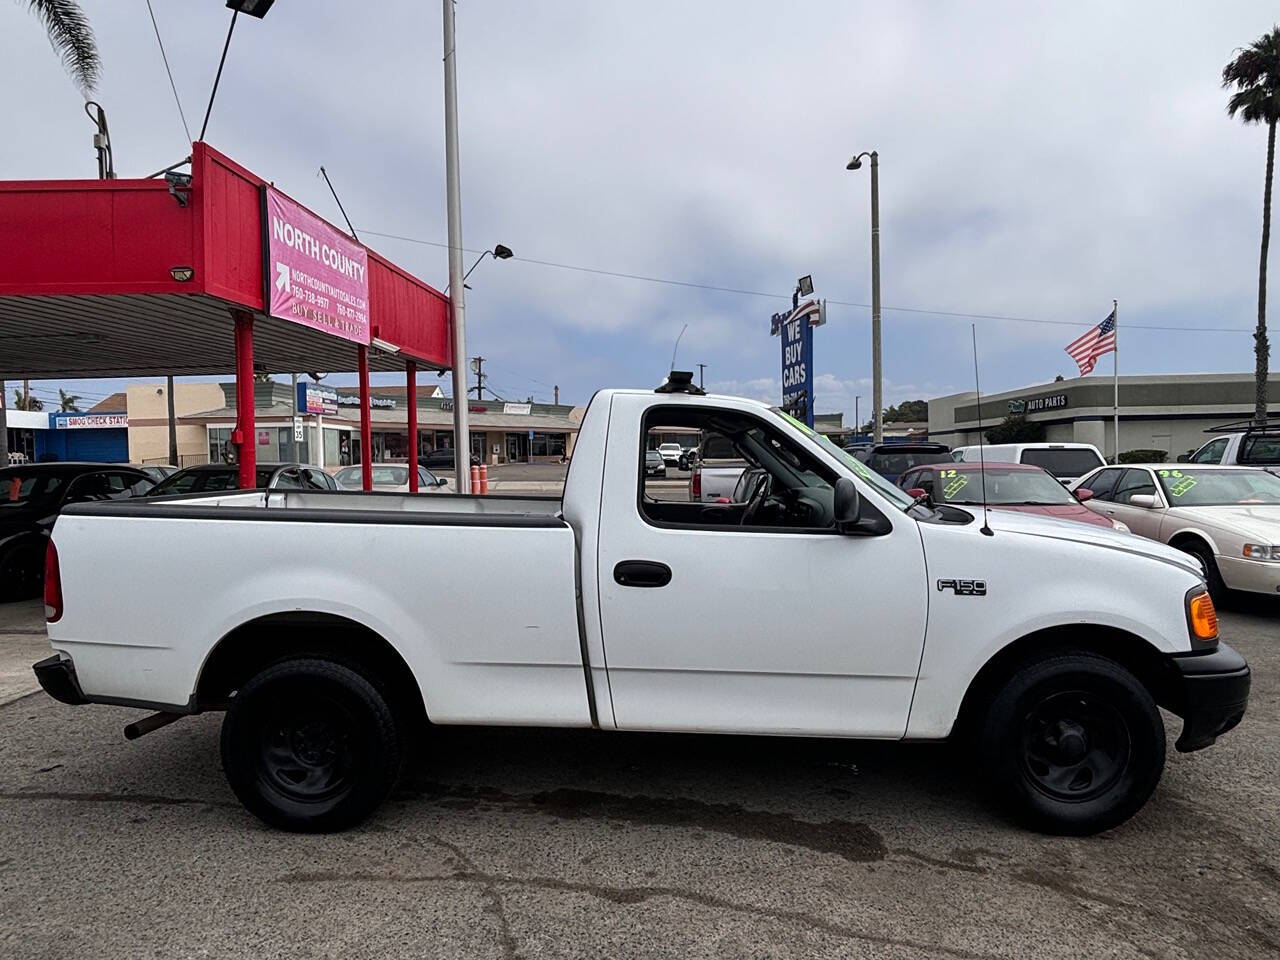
point(1212, 576)
point(1073, 744)
point(310, 745)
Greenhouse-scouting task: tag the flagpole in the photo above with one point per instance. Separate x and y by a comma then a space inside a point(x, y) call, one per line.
point(1115, 375)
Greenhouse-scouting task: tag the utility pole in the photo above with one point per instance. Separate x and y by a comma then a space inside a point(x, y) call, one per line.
point(701, 367)
point(293, 406)
point(4, 428)
point(877, 398)
point(478, 369)
point(457, 289)
point(857, 421)
point(556, 388)
point(173, 423)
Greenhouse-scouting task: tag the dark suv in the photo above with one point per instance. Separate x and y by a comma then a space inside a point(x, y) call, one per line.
point(892, 459)
point(31, 497)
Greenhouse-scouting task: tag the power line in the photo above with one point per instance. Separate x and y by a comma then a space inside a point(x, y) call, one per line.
point(218, 76)
point(172, 86)
point(843, 303)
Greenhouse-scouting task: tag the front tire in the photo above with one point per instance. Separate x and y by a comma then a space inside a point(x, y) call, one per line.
point(1213, 578)
point(1072, 744)
point(310, 745)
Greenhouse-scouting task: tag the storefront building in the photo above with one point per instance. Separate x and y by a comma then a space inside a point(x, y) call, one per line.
point(41, 437)
point(1170, 413)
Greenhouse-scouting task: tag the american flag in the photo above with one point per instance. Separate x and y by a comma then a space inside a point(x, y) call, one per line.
point(1099, 340)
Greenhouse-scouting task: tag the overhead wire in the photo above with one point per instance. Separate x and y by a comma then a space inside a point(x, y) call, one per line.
point(172, 86)
point(780, 296)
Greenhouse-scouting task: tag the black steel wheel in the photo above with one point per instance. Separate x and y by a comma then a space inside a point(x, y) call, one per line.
point(1073, 743)
point(310, 745)
point(1212, 576)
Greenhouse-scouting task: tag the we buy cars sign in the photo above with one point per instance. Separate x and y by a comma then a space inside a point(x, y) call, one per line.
point(316, 276)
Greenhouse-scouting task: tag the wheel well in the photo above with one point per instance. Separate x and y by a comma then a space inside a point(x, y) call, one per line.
point(1133, 653)
point(1183, 540)
point(253, 646)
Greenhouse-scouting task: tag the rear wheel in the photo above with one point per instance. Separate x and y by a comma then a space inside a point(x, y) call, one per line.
point(1073, 744)
point(21, 571)
point(310, 745)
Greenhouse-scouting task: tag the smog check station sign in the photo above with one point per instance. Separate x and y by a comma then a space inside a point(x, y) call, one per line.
point(316, 276)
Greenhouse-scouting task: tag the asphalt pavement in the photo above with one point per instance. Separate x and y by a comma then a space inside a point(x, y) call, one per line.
point(523, 843)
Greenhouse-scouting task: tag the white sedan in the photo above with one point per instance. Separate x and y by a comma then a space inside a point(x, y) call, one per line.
point(1228, 517)
point(391, 477)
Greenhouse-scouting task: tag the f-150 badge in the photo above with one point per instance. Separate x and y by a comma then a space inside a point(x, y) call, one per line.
point(964, 588)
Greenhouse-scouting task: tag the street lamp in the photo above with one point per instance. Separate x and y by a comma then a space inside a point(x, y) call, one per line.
point(498, 253)
point(876, 393)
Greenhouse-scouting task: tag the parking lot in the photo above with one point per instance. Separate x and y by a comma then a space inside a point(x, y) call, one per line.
point(513, 843)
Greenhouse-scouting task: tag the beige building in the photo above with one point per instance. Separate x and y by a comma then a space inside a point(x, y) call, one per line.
point(148, 408)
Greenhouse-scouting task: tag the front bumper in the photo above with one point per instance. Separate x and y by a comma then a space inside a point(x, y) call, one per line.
point(1213, 695)
point(1254, 576)
point(58, 677)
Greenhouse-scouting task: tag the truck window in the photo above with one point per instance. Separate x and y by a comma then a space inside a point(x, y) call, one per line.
point(782, 489)
point(1261, 449)
point(1064, 462)
point(1211, 452)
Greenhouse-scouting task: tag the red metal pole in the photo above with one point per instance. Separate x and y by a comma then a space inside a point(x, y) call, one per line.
point(245, 439)
point(411, 398)
point(366, 426)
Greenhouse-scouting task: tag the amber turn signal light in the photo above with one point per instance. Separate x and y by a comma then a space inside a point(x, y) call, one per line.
point(1202, 618)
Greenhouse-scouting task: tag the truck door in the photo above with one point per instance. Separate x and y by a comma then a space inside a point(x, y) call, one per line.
point(756, 618)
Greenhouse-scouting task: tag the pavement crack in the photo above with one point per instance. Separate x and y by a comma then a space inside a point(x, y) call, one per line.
point(493, 895)
point(147, 798)
point(627, 896)
point(936, 862)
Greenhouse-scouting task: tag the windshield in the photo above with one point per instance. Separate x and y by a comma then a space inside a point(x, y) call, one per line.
point(1004, 487)
point(1218, 488)
point(895, 463)
point(383, 476)
point(19, 488)
point(1063, 463)
point(857, 467)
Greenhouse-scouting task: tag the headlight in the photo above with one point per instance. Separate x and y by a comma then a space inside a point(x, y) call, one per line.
point(1260, 551)
point(1119, 527)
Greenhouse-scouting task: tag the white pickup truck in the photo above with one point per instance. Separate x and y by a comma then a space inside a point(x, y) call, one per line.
point(332, 627)
point(1242, 444)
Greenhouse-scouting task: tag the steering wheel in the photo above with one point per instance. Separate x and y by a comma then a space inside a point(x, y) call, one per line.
point(757, 500)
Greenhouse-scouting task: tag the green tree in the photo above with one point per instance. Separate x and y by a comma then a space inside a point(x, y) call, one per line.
point(1254, 76)
point(30, 402)
point(72, 38)
point(68, 401)
point(1015, 428)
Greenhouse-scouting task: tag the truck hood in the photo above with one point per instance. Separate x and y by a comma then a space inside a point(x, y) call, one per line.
point(1051, 528)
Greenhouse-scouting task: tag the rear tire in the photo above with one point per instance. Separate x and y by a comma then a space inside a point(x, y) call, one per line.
point(310, 745)
point(1201, 551)
point(21, 571)
point(1072, 744)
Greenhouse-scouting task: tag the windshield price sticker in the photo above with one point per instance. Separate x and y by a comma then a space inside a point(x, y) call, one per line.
point(957, 483)
point(1182, 482)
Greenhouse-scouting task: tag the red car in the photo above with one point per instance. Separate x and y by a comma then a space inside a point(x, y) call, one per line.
point(1010, 486)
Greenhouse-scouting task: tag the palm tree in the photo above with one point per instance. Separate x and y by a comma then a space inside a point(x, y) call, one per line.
point(68, 401)
point(72, 37)
point(1254, 75)
point(28, 402)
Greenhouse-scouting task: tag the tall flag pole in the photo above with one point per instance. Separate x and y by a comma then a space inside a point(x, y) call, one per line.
point(1085, 351)
point(1115, 373)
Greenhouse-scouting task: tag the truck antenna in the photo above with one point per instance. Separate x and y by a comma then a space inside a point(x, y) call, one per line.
point(677, 347)
point(985, 530)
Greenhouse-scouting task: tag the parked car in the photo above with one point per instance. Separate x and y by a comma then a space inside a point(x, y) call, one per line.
point(654, 464)
point(211, 477)
point(688, 458)
point(156, 471)
point(392, 477)
point(830, 605)
point(1066, 461)
point(891, 459)
point(671, 453)
point(442, 458)
point(1228, 518)
point(1009, 486)
point(1247, 445)
point(716, 470)
point(31, 497)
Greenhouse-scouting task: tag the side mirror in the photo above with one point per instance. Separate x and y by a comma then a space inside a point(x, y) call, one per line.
point(441, 482)
point(1083, 494)
point(917, 492)
point(851, 518)
point(1144, 500)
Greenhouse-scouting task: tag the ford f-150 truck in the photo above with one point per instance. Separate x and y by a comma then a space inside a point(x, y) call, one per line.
point(333, 628)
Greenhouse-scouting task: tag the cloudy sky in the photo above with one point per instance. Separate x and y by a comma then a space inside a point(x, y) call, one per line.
point(1037, 161)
